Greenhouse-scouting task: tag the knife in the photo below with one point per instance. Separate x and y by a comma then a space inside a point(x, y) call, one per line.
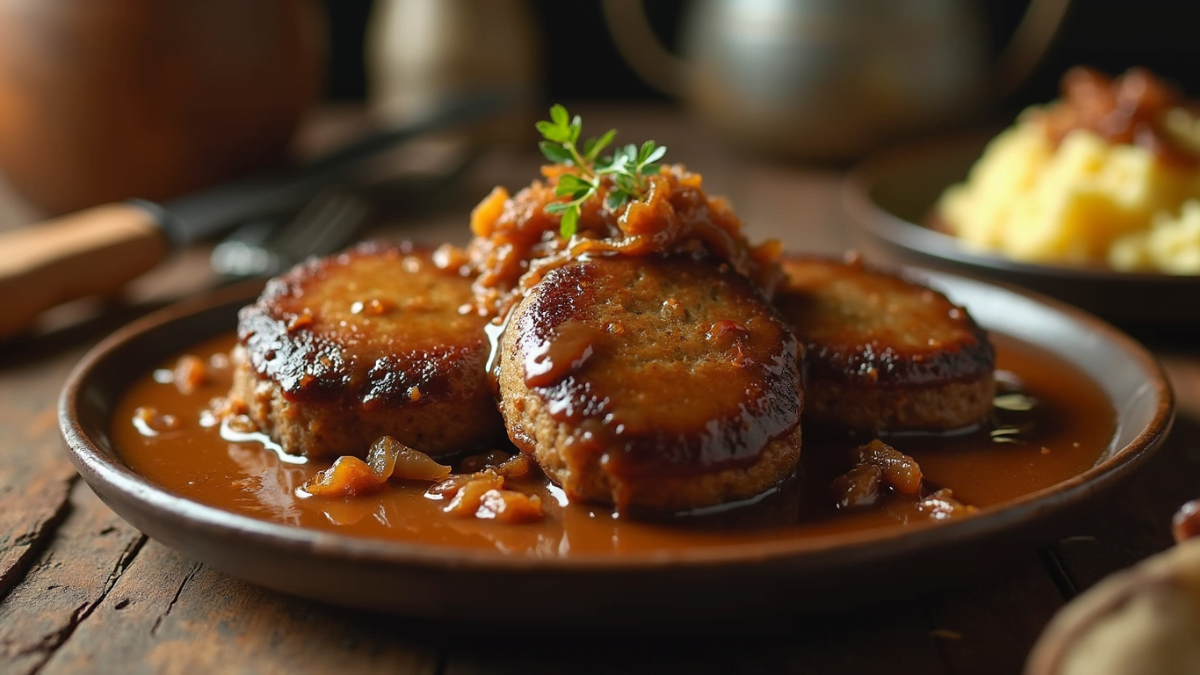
point(98, 250)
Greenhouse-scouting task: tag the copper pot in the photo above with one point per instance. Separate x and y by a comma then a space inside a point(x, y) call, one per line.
point(102, 100)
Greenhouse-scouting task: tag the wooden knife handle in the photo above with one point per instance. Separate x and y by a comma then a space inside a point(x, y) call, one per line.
point(92, 252)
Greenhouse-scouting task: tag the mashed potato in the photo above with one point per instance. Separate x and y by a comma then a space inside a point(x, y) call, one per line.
point(1061, 187)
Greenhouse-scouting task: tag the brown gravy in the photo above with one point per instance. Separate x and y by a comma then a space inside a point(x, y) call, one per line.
point(1064, 434)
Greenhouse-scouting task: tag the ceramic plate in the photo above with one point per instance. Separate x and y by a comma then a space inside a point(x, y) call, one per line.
point(781, 574)
point(891, 194)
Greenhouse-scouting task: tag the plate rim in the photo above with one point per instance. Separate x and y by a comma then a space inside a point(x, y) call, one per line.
point(96, 467)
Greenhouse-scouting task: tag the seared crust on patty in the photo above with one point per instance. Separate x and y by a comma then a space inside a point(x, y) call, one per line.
point(655, 384)
point(883, 353)
point(342, 350)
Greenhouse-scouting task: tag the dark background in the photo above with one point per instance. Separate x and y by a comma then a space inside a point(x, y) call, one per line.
point(1162, 35)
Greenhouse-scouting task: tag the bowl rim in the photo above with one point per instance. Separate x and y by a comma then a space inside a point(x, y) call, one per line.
point(105, 473)
point(857, 201)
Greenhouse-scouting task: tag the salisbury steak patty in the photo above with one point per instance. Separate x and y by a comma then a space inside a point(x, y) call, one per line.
point(655, 384)
point(883, 353)
point(342, 350)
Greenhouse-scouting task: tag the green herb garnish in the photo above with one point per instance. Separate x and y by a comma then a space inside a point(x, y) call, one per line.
point(628, 167)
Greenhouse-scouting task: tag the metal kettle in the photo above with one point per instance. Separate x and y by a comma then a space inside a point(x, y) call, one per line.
point(832, 79)
point(422, 52)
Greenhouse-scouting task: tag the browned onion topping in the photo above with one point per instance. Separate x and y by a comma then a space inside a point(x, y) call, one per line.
point(517, 242)
point(1129, 109)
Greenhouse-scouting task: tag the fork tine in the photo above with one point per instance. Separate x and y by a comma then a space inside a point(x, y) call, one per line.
point(326, 223)
point(294, 236)
point(345, 217)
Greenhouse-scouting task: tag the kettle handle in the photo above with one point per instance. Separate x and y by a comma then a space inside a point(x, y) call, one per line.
point(637, 44)
point(640, 48)
point(1028, 44)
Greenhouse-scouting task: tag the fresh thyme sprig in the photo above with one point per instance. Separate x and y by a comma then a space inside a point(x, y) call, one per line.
point(628, 167)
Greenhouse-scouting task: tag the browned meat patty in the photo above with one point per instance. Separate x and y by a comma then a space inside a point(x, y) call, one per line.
point(655, 384)
point(342, 350)
point(883, 353)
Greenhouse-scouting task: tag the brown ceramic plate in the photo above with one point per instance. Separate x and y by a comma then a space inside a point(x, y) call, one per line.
point(781, 574)
point(890, 196)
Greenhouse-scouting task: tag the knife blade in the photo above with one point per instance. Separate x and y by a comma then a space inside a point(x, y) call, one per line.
point(98, 250)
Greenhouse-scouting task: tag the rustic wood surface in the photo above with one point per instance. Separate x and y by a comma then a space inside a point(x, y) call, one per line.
point(82, 591)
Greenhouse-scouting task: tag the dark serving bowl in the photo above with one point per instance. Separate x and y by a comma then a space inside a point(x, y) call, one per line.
point(779, 575)
point(890, 197)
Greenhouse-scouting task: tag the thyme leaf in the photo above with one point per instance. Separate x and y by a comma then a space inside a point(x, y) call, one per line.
point(627, 168)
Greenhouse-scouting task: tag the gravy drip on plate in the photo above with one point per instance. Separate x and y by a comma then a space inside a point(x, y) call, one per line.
point(1029, 447)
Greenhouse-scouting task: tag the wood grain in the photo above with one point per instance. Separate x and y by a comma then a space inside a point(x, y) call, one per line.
point(30, 509)
point(167, 614)
point(990, 627)
point(894, 639)
point(1135, 522)
point(35, 476)
point(71, 576)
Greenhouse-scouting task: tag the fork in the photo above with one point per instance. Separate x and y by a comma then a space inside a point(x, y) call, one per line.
point(260, 248)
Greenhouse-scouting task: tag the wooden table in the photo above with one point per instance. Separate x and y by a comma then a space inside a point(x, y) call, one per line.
point(82, 591)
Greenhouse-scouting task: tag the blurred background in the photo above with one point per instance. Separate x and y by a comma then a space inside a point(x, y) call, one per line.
point(106, 100)
point(1112, 35)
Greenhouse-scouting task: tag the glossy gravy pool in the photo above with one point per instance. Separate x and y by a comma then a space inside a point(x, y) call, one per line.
point(1062, 435)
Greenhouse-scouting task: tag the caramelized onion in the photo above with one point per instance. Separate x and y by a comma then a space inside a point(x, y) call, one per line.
point(481, 494)
point(878, 467)
point(191, 373)
point(449, 487)
point(509, 506)
point(347, 477)
point(469, 495)
point(516, 242)
point(487, 460)
point(150, 422)
point(409, 464)
point(387, 458)
point(942, 505)
point(495, 461)
point(514, 467)
point(856, 488)
point(900, 471)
